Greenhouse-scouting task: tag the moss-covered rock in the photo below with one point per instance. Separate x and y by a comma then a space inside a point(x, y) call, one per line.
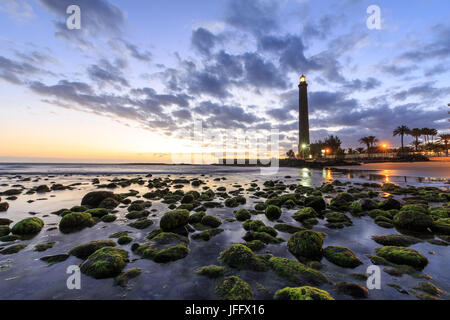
point(28, 226)
point(119, 234)
point(295, 271)
point(211, 271)
point(141, 223)
point(231, 203)
point(341, 256)
point(402, 255)
point(395, 240)
point(253, 225)
point(124, 240)
point(389, 204)
point(306, 243)
point(105, 263)
point(287, 228)
point(137, 214)
point(56, 258)
point(305, 213)
point(97, 212)
point(109, 218)
point(368, 204)
point(79, 209)
point(353, 289)
point(234, 288)
point(337, 220)
point(207, 234)
point(13, 249)
point(124, 277)
point(255, 245)
point(211, 221)
point(196, 217)
point(83, 251)
point(44, 246)
point(75, 221)
point(242, 215)
point(317, 203)
point(4, 230)
point(241, 257)
point(109, 203)
point(95, 198)
point(273, 212)
point(164, 247)
point(302, 293)
point(441, 226)
point(4, 206)
point(265, 237)
point(412, 220)
point(174, 219)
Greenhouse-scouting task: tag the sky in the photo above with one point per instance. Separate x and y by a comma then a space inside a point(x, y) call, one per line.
point(128, 86)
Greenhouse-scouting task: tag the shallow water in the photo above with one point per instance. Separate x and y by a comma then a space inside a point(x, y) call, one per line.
point(24, 276)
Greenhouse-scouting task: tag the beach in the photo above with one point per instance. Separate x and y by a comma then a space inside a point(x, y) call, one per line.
point(23, 275)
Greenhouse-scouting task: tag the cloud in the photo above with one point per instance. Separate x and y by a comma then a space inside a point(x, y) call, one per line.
point(99, 18)
point(105, 73)
point(255, 16)
point(203, 41)
point(18, 9)
point(16, 72)
point(438, 48)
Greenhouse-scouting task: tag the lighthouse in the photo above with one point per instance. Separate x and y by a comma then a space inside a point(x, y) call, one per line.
point(303, 132)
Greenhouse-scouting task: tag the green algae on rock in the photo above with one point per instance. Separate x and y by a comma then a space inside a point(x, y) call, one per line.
point(273, 212)
point(242, 215)
point(174, 219)
point(95, 198)
point(124, 240)
point(353, 289)
point(196, 217)
point(402, 255)
point(302, 293)
point(106, 262)
point(305, 213)
point(211, 221)
point(234, 288)
point(413, 220)
point(164, 247)
point(295, 271)
point(13, 249)
point(28, 226)
point(75, 221)
point(341, 256)
point(44, 246)
point(241, 257)
point(395, 240)
point(124, 277)
point(306, 243)
point(211, 271)
point(83, 251)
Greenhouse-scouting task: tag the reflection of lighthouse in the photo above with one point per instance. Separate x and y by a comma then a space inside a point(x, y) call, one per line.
point(303, 139)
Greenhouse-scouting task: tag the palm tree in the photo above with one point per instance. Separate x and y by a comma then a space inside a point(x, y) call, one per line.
point(290, 154)
point(416, 133)
point(445, 138)
point(433, 133)
point(360, 150)
point(401, 131)
point(366, 141)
